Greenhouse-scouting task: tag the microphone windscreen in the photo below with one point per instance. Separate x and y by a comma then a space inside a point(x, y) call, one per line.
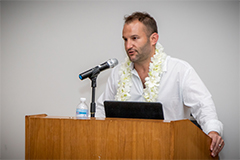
point(112, 62)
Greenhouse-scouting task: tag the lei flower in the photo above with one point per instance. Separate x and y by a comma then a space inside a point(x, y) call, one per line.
point(125, 83)
point(150, 93)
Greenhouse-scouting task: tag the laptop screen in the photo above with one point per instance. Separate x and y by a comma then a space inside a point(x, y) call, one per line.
point(132, 109)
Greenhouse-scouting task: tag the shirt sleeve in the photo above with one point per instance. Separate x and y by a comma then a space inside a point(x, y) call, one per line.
point(197, 96)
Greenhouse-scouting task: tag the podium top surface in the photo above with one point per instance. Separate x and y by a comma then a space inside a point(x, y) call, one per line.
point(45, 116)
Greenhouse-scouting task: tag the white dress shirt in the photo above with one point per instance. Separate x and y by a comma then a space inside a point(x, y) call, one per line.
point(181, 92)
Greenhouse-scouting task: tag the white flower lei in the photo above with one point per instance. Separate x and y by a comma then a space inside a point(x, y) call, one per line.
point(152, 82)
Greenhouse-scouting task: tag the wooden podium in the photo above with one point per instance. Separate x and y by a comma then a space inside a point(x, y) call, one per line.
point(113, 138)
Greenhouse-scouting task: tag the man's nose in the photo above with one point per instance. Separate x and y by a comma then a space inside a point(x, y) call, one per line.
point(128, 44)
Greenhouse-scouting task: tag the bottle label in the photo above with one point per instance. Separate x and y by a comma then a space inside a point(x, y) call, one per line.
point(82, 112)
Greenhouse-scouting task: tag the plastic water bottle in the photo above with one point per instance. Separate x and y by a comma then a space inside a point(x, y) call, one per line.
point(82, 109)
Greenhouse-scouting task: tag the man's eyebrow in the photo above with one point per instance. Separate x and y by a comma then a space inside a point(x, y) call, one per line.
point(134, 35)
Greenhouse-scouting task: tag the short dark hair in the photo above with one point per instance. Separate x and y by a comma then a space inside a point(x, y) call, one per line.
point(146, 19)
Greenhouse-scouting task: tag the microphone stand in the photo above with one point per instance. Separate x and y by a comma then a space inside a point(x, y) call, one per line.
point(93, 78)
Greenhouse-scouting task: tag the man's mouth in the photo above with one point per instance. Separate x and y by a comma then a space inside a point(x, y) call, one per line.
point(131, 52)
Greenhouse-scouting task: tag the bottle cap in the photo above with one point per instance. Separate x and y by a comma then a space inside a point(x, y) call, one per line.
point(83, 99)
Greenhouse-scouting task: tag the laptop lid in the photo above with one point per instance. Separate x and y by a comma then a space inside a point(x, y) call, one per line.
point(133, 109)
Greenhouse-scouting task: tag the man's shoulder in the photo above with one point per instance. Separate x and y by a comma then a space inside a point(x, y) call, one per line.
point(116, 68)
point(175, 62)
point(115, 71)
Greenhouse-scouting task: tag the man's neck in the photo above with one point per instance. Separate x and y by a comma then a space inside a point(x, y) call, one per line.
point(142, 69)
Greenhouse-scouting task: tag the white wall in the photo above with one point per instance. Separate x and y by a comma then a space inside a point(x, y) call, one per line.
point(45, 45)
point(239, 69)
point(0, 83)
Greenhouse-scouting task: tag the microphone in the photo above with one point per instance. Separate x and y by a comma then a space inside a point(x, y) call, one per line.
point(108, 64)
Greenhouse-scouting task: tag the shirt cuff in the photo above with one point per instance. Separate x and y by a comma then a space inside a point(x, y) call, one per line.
point(213, 125)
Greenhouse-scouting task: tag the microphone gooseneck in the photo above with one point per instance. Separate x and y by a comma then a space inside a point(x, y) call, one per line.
point(92, 74)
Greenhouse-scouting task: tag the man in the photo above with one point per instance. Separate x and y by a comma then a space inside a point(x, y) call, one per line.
point(148, 74)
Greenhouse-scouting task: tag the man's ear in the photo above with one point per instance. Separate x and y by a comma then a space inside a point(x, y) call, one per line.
point(154, 38)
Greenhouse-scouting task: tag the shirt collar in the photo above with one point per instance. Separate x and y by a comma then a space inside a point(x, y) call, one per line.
point(164, 68)
point(133, 70)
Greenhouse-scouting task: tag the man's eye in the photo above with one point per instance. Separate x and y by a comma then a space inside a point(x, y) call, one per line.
point(134, 38)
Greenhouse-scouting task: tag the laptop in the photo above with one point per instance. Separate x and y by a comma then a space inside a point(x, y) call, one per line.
point(133, 109)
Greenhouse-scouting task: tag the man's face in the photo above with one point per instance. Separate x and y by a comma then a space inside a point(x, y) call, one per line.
point(137, 44)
